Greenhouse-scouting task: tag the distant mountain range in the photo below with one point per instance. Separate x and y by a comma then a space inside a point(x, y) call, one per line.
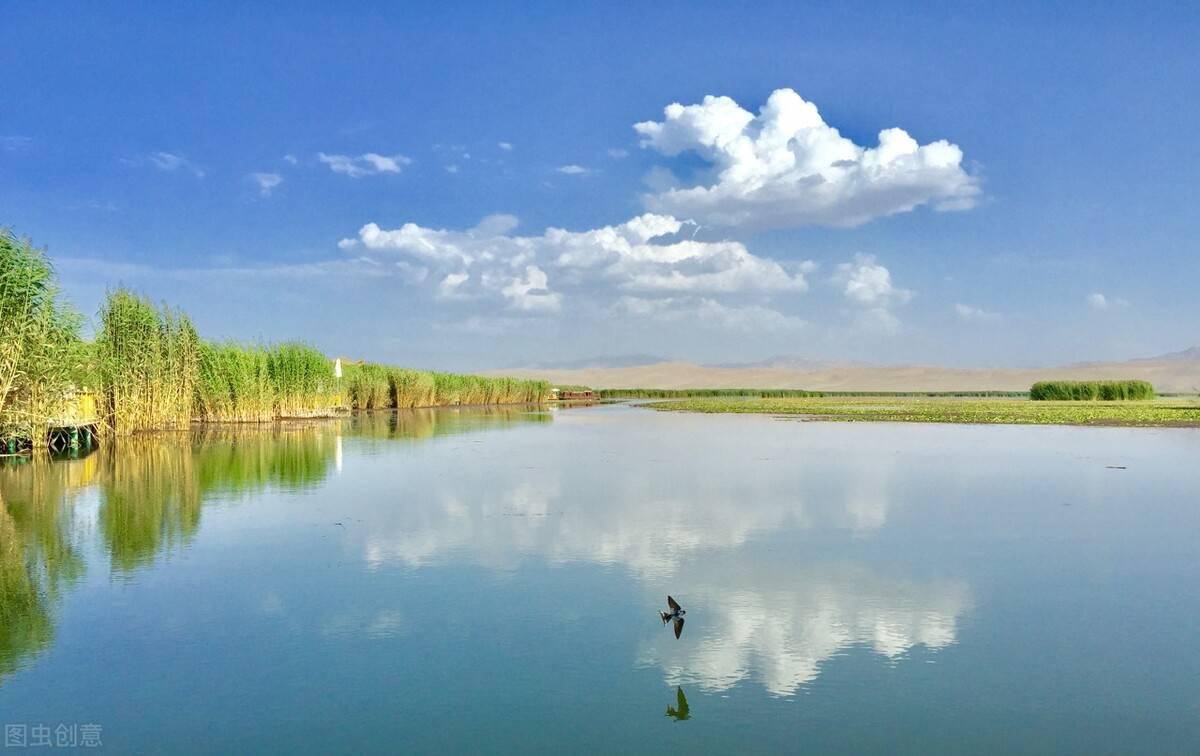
point(790, 362)
point(1187, 355)
point(604, 361)
point(1176, 372)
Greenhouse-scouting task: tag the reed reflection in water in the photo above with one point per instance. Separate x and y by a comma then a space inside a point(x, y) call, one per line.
point(40, 555)
point(150, 491)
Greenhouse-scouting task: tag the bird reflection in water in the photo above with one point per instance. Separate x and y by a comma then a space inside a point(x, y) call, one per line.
point(679, 712)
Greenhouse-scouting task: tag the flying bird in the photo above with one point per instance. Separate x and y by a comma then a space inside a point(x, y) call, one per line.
point(675, 615)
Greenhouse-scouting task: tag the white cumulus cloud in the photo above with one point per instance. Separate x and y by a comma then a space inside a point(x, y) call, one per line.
point(573, 170)
point(646, 255)
point(868, 285)
point(866, 282)
point(786, 167)
point(367, 164)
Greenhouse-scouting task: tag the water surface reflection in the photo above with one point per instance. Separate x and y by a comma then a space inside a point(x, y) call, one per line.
point(497, 563)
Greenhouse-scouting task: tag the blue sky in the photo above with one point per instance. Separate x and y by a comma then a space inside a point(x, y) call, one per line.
point(1039, 207)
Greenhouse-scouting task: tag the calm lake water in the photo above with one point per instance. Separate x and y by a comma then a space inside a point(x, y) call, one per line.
point(489, 580)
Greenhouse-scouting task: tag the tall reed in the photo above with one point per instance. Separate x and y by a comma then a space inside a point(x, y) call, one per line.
point(234, 384)
point(368, 386)
point(41, 354)
point(413, 388)
point(304, 382)
point(149, 359)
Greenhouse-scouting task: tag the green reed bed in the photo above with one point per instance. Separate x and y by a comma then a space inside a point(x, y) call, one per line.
point(372, 386)
point(304, 382)
point(368, 386)
point(234, 384)
point(149, 362)
point(1109, 391)
point(951, 410)
point(41, 354)
point(150, 370)
point(413, 388)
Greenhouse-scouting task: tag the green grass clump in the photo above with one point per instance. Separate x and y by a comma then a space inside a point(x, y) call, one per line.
point(951, 410)
point(1107, 391)
point(149, 359)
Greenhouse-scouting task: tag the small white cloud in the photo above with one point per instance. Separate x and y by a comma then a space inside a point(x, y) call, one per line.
point(573, 170)
point(267, 182)
point(1098, 301)
point(451, 168)
point(616, 153)
point(867, 283)
point(290, 158)
point(506, 146)
point(367, 164)
point(786, 167)
point(167, 162)
point(347, 244)
point(975, 314)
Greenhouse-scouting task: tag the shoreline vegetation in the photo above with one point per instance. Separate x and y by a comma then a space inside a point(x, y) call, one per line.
point(149, 369)
point(638, 393)
point(1174, 412)
point(1091, 391)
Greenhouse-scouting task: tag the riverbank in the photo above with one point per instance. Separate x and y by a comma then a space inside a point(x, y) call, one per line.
point(1173, 412)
